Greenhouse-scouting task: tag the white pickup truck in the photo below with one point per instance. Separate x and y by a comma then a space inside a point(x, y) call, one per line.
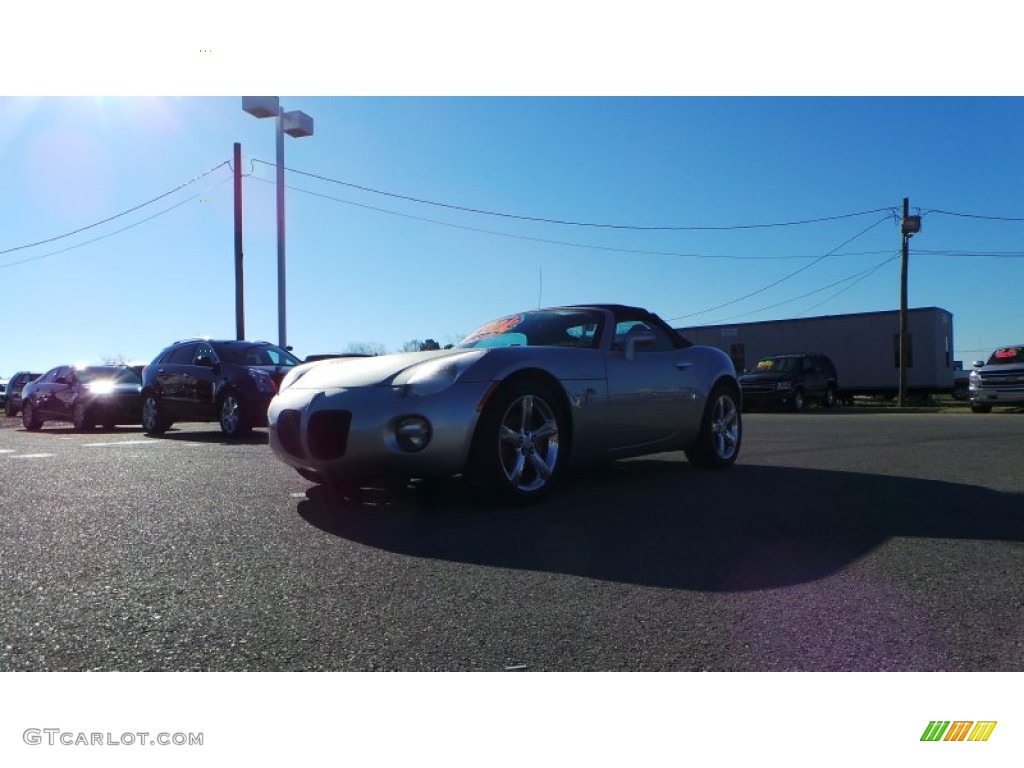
point(999, 381)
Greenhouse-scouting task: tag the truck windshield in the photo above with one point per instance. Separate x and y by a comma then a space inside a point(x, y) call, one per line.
point(1007, 356)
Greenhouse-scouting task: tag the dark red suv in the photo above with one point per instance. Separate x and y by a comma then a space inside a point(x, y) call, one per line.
point(230, 382)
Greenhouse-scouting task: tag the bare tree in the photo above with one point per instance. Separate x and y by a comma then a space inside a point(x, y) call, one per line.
point(365, 348)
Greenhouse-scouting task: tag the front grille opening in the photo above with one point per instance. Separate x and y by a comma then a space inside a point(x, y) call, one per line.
point(327, 434)
point(288, 432)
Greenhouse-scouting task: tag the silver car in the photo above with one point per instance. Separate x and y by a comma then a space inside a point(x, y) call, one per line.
point(999, 381)
point(513, 404)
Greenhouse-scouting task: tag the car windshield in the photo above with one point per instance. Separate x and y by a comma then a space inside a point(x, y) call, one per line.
point(255, 354)
point(108, 373)
point(540, 328)
point(1007, 356)
point(778, 365)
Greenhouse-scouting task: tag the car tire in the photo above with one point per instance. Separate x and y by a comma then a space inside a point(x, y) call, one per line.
point(721, 431)
point(518, 450)
point(234, 416)
point(10, 411)
point(829, 400)
point(29, 418)
point(981, 408)
point(798, 403)
point(310, 475)
point(80, 418)
point(154, 422)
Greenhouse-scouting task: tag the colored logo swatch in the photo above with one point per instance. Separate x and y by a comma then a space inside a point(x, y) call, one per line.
point(958, 730)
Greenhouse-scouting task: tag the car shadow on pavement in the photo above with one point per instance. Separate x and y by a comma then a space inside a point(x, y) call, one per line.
point(663, 523)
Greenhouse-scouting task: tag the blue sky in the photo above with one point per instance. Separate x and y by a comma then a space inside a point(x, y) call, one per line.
point(377, 269)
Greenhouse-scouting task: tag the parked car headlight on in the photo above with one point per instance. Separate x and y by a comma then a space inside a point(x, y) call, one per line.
point(437, 375)
point(100, 387)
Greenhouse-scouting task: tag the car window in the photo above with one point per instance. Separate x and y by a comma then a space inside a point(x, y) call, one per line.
point(541, 328)
point(181, 355)
point(204, 350)
point(662, 343)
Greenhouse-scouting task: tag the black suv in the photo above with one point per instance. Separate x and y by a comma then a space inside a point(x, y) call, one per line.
point(202, 380)
point(15, 385)
point(790, 380)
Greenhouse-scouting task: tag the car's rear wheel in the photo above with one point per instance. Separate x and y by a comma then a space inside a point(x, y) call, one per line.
point(234, 418)
point(154, 422)
point(29, 418)
point(721, 431)
point(518, 450)
point(80, 418)
point(981, 408)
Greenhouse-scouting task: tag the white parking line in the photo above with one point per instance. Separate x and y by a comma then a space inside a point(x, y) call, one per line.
point(6, 450)
point(122, 442)
point(32, 456)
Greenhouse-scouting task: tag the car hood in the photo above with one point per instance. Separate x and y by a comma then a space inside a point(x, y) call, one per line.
point(366, 371)
point(755, 377)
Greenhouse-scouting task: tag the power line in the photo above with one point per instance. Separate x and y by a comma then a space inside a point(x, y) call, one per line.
point(115, 216)
point(861, 275)
point(117, 231)
point(972, 215)
point(548, 241)
point(783, 279)
point(540, 219)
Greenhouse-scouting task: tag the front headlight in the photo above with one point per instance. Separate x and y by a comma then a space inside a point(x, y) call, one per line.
point(294, 375)
point(264, 384)
point(783, 386)
point(437, 375)
point(100, 387)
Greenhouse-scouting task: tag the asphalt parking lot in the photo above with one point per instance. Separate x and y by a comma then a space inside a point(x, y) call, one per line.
point(840, 541)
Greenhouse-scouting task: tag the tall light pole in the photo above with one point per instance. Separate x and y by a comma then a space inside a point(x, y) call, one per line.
point(297, 124)
point(909, 226)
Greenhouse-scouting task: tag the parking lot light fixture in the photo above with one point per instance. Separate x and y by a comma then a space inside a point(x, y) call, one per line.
point(296, 124)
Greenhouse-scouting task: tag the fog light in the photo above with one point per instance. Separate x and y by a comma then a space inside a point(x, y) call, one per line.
point(412, 433)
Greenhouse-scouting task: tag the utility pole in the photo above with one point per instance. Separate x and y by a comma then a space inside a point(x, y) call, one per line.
point(910, 226)
point(239, 294)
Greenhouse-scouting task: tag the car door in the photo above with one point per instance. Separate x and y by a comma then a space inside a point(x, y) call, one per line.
point(202, 392)
point(63, 395)
point(173, 372)
point(652, 393)
point(45, 397)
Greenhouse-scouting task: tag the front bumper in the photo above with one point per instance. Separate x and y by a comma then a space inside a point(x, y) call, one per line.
point(345, 434)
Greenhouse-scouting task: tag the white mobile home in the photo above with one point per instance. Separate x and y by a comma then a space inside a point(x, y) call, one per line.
point(864, 346)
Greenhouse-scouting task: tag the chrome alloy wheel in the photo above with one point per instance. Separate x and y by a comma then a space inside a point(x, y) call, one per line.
point(230, 415)
point(528, 443)
point(725, 427)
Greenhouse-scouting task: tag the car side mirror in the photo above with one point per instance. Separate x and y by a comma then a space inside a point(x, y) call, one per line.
point(635, 339)
point(205, 361)
point(978, 364)
point(61, 380)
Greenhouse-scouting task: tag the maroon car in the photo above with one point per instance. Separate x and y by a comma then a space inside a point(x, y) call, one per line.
point(85, 396)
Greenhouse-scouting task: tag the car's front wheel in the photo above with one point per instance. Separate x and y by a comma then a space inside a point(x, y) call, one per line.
point(29, 418)
point(518, 451)
point(829, 400)
point(721, 431)
point(153, 420)
point(798, 402)
point(234, 419)
point(80, 418)
point(10, 410)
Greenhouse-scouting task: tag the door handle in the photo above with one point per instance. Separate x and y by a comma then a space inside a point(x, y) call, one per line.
point(683, 366)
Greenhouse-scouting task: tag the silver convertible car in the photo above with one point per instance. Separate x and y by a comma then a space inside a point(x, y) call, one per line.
point(513, 404)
